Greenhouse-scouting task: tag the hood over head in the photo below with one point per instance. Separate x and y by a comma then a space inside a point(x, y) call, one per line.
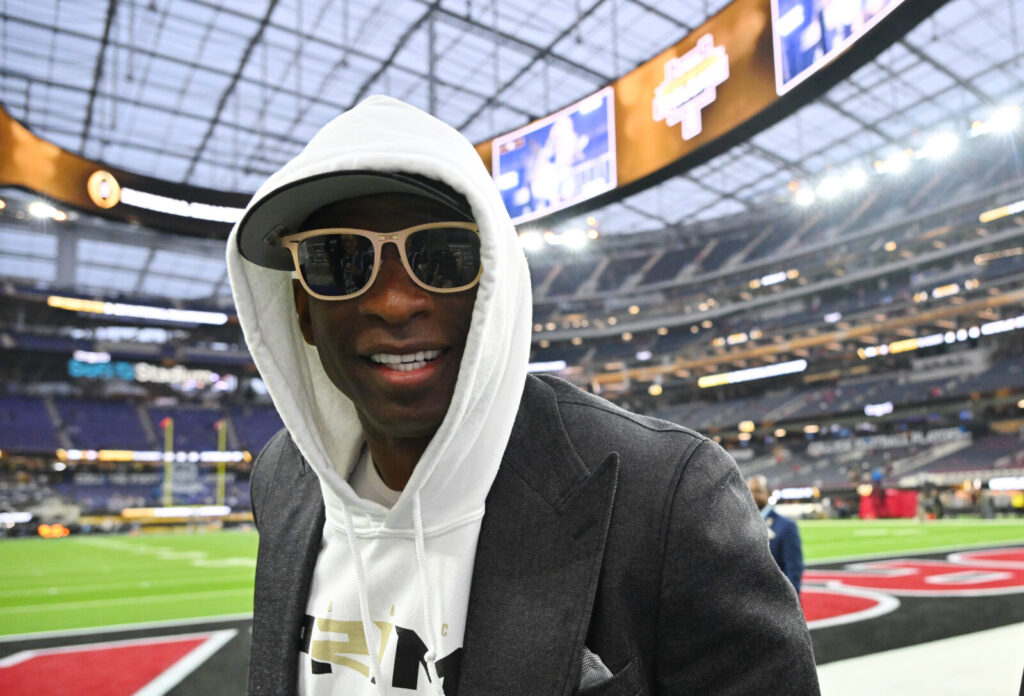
point(383, 145)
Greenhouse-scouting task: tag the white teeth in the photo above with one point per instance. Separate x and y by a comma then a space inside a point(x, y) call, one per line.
point(405, 362)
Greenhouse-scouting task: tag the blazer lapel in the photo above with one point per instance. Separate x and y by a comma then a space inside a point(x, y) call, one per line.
point(288, 554)
point(538, 559)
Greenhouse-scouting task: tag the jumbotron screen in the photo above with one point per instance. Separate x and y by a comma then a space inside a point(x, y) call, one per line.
point(810, 33)
point(558, 161)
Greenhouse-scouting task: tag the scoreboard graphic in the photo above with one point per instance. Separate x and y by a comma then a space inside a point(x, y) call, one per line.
point(810, 33)
point(558, 161)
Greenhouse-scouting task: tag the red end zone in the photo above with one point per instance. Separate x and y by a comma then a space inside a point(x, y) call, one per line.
point(835, 605)
point(964, 574)
point(866, 590)
point(120, 668)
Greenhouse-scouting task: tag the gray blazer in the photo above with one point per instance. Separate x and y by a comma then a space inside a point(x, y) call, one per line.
point(606, 531)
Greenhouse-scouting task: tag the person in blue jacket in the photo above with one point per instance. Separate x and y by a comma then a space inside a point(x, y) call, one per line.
point(783, 536)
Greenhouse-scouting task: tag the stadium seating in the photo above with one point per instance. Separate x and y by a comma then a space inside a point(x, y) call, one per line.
point(254, 426)
point(25, 424)
point(96, 424)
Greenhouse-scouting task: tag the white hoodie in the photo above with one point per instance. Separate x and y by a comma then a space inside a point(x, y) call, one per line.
point(396, 580)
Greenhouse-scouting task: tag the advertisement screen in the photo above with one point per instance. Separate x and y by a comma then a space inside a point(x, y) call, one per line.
point(558, 161)
point(810, 33)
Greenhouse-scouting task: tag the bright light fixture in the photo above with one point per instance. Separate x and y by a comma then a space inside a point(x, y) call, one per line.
point(43, 210)
point(1004, 119)
point(804, 196)
point(575, 238)
point(654, 390)
point(896, 163)
point(855, 179)
point(547, 366)
point(531, 241)
point(830, 187)
point(941, 145)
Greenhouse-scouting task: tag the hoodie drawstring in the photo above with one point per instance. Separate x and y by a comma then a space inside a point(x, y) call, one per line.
point(423, 574)
point(364, 602)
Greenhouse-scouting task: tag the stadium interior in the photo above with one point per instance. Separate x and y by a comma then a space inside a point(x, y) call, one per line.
point(837, 297)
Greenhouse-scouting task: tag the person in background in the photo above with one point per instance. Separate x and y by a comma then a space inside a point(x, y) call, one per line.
point(783, 535)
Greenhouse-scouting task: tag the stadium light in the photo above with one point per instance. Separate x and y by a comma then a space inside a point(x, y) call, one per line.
point(575, 238)
point(753, 373)
point(43, 210)
point(77, 304)
point(805, 196)
point(531, 241)
point(855, 179)
point(940, 146)
point(896, 163)
point(1004, 119)
point(830, 187)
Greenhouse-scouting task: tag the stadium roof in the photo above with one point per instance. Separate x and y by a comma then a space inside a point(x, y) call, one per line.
point(220, 93)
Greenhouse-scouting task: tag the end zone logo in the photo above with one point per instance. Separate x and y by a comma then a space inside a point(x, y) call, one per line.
point(866, 590)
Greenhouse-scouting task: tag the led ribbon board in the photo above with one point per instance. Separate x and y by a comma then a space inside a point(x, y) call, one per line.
point(29, 162)
point(713, 89)
point(808, 34)
point(558, 161)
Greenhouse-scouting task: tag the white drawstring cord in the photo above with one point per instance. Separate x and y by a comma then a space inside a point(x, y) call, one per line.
point(422, 572)
point(364, 602)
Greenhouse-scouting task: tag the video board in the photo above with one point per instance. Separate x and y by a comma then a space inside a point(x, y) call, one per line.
point(809, 34)
point(558, 161)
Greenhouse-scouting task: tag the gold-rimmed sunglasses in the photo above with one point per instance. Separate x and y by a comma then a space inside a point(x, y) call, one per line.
point(341, 263)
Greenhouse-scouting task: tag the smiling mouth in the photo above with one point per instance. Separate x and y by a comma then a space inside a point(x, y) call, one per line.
point(405, 362)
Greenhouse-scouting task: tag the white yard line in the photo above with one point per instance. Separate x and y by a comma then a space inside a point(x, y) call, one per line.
point(137, 585)
point(986, 663)
point(121, 601)
point(186, 665)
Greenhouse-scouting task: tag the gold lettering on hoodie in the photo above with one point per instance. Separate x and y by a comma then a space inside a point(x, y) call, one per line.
point(337, 651)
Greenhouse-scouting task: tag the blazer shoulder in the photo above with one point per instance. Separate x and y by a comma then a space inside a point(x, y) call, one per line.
point(593, 422)
point(274, 469)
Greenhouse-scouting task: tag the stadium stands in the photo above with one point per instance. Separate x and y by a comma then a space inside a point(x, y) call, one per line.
point(26, 424)
point(98, 424)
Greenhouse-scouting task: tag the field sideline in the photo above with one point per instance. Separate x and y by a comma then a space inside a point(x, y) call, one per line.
point(98, 581)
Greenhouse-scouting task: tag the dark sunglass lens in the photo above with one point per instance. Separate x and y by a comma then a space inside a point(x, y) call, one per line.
point(444, 257)
point(335, 265)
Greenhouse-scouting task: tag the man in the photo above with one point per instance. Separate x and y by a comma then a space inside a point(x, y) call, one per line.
point(783, 536)
point(431, 519)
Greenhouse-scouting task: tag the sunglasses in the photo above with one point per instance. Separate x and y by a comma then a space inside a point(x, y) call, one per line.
point(339, 263)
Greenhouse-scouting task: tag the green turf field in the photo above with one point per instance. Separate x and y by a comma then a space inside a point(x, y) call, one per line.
point(89, 581)
point(837, 539)
point(95, 580)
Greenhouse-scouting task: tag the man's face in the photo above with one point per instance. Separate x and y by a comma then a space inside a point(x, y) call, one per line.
point(362, 341)
point(759, 490)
